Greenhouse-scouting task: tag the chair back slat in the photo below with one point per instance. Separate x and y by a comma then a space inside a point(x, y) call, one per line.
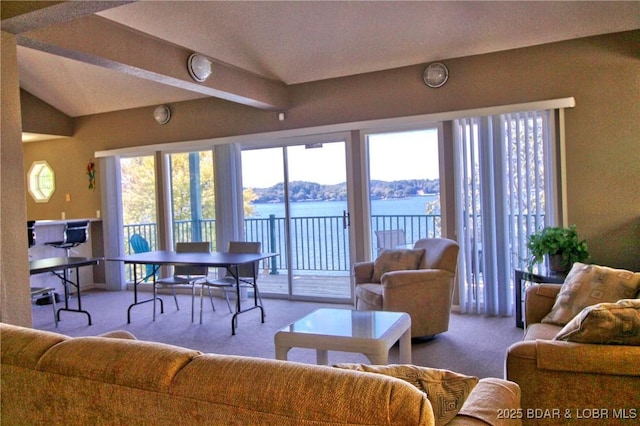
point(249, 270)
point(192, 247)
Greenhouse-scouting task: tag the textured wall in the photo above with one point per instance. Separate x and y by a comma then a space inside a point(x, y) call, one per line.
point(602, 131)
point(15, 306)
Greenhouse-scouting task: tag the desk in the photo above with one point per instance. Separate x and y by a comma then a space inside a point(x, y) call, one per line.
point(372, 333)
point(230, 261)
point(521, 278)
point(57, 264)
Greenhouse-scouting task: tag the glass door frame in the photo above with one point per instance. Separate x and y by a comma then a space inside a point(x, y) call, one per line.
point(344, 137)
point(445, 153)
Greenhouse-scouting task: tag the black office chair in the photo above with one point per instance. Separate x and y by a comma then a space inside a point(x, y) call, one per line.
point(75, 233)
point(31, 232)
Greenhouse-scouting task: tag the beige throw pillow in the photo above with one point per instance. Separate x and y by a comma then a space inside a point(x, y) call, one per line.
point(446, 390)
point(396, 260)
point(588, 285)
point(605, 323)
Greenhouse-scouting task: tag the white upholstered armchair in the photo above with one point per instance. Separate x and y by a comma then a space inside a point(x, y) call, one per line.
point(424, 291)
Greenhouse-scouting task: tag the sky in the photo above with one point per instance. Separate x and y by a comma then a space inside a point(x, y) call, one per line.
point(392, 156)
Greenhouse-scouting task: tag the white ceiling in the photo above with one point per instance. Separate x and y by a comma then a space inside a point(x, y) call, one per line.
point(301, 41)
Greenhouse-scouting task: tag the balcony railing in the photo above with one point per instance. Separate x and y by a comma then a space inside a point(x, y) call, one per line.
point(320, 243)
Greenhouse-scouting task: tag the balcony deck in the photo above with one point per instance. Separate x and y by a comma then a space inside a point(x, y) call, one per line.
point(325, 286)
point(305, 286)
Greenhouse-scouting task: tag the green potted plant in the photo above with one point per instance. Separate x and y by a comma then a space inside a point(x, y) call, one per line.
point(560, 247)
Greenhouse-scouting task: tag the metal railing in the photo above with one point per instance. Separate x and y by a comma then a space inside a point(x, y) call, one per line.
point(320, 243)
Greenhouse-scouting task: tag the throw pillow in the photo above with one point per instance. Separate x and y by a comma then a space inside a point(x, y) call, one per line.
point(446, 390)
point(396, 260)
point(588, 285)
point(605, 323)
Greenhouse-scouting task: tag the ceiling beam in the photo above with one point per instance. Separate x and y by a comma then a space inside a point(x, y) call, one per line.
point(22, 16)
point(101, 42)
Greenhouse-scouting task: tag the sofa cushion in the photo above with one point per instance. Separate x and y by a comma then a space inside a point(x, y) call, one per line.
point(605, 323)
point(588, 285)
point(446, 390)
point(396, 260)
point(538, 331)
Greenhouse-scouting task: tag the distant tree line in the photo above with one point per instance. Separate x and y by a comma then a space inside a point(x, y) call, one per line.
point(310, 191)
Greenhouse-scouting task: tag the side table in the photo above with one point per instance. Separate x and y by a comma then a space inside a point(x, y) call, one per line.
point(520, 284)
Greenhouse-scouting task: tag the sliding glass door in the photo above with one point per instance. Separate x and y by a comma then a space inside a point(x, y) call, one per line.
point(296, 203)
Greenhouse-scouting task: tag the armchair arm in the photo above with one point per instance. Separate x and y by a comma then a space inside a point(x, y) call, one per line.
point(488, 402)
point(419, 277)
point(363, 272)
point(539, 300)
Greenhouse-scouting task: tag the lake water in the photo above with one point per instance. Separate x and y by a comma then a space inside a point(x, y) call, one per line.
point(321, 245)
point(395, 206)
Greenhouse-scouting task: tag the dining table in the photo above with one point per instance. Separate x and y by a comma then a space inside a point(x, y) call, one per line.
point(230, 261)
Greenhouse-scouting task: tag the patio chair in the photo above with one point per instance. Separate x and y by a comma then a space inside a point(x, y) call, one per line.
point(247, 275)
point(140, 245)
point(184, 275)
point(390, 239)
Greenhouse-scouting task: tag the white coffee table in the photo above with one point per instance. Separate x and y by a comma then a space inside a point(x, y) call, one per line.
point(371, 333)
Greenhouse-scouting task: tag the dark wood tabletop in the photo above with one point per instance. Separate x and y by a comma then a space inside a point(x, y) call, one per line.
point(213, 259)
point(51, 264)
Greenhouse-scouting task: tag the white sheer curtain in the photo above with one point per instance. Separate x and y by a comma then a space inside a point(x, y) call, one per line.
point(503, 178)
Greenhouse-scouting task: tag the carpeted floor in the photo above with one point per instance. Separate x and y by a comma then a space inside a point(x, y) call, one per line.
point(474, 345)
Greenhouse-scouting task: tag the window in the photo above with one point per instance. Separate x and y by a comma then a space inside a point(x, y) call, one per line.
point(193, 196)
point(139, 223)
point(404, 187)
point(42, 181)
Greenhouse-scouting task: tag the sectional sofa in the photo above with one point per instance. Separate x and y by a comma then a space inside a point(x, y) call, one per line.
point(49, 378)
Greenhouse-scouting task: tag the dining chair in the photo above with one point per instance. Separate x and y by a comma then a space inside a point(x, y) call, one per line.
point(183, 275)
point(247, 275)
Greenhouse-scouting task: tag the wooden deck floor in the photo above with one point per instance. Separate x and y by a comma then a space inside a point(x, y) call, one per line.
point(323, 286)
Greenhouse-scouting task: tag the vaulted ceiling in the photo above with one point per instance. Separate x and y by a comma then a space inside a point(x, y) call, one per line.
point(93, 57)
